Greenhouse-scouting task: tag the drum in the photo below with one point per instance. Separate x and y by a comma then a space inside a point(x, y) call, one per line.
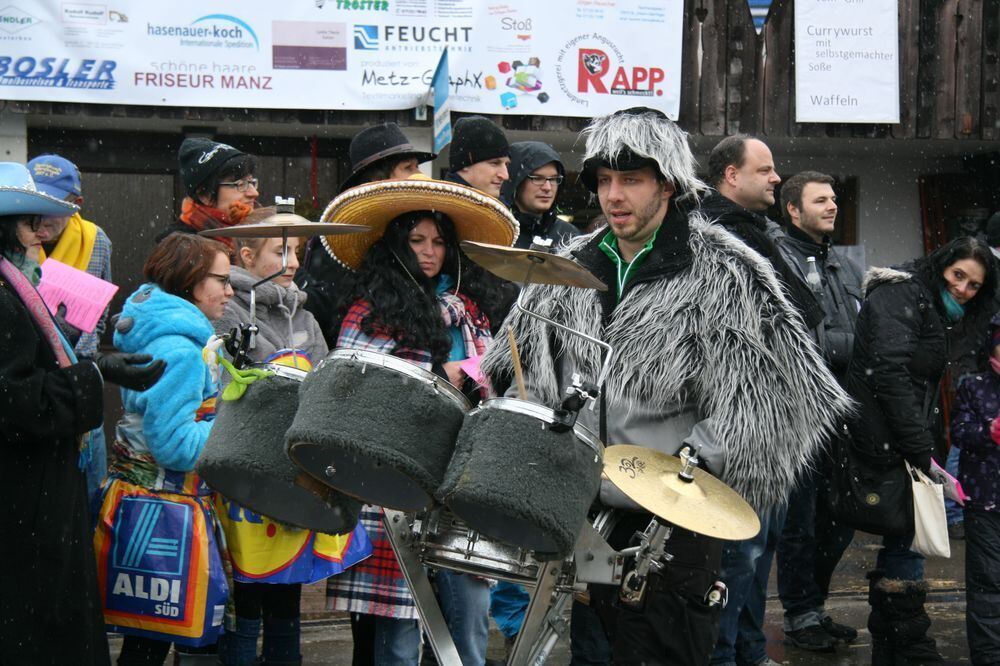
point(244, 458)
point(446, 542)
point(515, 479)
point(376, 427)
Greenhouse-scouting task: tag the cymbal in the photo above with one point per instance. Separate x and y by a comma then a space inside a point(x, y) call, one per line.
point(531, 266)
point(282, 224)
point(705, 505)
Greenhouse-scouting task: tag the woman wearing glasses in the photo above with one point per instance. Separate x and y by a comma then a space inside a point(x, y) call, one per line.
point(155, 541)
point(220, 185)
point(535, 176)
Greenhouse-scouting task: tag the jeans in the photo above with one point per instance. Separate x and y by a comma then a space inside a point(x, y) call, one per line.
point(982, 585)
point(508, 604)
point(396, 641)
point(589, 644)
point(952, 507)
point(746, 566)
point(465, 603)
point(810, 547)
point(278, 605)
point(897, 560)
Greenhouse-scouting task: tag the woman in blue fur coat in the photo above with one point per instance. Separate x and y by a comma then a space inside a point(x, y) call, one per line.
point(159, 566)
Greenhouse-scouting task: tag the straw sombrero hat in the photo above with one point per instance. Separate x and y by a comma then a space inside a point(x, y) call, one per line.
point(477, 216)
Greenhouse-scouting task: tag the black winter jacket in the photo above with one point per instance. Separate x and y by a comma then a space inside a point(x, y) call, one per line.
point(900, 352)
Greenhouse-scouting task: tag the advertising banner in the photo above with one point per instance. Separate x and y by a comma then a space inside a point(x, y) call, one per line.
point(562, 57)
point(846, 61)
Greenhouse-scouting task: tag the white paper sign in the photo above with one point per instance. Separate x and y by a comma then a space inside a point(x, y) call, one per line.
point(846, 61)
point(558, 57)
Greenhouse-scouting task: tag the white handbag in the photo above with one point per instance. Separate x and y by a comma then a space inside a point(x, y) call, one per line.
point(930, 523)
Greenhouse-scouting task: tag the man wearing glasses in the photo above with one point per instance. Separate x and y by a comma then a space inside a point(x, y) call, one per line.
point(220, 185)
point(536, 174)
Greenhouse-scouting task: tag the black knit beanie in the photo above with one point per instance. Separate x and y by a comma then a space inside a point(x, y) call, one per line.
point(199, 158)
point(476, 139)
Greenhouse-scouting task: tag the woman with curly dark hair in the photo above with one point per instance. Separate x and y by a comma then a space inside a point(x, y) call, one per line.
point(416, 296)
point(900, 352)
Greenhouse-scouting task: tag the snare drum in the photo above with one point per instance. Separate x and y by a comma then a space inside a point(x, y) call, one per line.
point(244, 458)
point(376, 427)
point(514, 479)
point(445, 542)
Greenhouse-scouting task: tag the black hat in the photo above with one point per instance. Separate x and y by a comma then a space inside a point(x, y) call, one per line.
point(993, 230)
point(377, 143)
point(200, 158)
point(625, 161)
point(476, 139)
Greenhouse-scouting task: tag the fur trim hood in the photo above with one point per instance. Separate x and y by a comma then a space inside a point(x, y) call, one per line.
point(876, 277)
point(721, 335)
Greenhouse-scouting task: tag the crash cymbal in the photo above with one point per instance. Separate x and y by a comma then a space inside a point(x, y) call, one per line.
point(705, 505)
point(531, 266)
point(285, 224)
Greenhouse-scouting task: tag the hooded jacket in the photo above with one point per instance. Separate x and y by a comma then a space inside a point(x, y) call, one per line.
point(761, 235)
point(707, 351)
point(162, 420)
point(525, 157)
point(282, 321)
point(900, 352)
point(977, 405)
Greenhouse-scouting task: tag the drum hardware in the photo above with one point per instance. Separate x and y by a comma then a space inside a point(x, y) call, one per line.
point(679, 492)
point(650, 557)
point(577, 395)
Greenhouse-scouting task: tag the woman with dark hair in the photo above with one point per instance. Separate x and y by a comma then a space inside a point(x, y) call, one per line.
point(220, 185)
point(50, 610)
point(158, 561)
point(417, 297)
point(900, 352)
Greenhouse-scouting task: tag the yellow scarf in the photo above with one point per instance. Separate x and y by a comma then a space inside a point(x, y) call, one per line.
point(76, 243)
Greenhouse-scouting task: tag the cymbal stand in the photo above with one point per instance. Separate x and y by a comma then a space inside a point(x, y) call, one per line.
point(650, 556)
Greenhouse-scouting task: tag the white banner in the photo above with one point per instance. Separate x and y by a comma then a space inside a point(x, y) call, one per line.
point(846, 61)
point(558, 57)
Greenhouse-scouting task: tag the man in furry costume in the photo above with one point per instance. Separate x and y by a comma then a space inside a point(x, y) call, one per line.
point(708, 353)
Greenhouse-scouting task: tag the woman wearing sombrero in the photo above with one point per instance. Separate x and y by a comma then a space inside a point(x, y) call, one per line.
point(417, 297)
point(50, 608)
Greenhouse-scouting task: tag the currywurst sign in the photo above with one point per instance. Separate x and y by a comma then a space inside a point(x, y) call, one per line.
point(846, 61)
point(560, 57)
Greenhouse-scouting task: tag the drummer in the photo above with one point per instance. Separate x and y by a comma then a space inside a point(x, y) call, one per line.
point(419, 298)
point(270, 564)
point(708, 355)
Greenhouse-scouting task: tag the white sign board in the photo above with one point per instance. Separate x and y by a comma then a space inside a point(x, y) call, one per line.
point(846, 61)
point(558, 57)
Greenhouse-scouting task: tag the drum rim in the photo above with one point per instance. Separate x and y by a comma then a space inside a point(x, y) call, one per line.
point(288, 372)
point(402, 366)
point(543, 413)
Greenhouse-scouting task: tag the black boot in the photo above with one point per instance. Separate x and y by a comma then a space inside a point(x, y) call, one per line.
point(878, 623)
point(902, 605)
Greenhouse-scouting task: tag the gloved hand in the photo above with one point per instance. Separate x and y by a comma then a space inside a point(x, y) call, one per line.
point(71, 332)
point(995, 430)
point(921, 460)
point(129, 370)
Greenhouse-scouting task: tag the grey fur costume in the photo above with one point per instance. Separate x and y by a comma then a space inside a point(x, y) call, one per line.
point(720, 336)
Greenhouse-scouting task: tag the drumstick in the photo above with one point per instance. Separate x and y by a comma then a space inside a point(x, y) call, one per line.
point(516, 356)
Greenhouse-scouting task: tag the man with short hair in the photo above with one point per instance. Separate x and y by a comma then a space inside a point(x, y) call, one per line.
point(479, 155)
point(380, 152)
point(812, 543)
point(85, 246)
point(685, 351)
point(741, 169)
point(536, 173)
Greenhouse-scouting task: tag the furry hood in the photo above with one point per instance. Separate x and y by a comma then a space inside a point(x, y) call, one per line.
point(876, 277)
point(152, 313)
point(721, 335)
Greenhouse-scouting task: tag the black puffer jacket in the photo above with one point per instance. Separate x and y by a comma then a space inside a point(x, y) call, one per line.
point(900, 353)
point(525, 157)
point(759, 233)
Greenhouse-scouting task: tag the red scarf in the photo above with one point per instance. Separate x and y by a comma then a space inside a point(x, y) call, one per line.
point(199, 217)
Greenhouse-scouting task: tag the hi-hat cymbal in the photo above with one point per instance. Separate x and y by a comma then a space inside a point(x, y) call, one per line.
point(705, 505)
point(531, 266)
point(285, 224)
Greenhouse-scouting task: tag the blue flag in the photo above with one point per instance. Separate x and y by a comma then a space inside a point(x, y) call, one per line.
point(442, 106)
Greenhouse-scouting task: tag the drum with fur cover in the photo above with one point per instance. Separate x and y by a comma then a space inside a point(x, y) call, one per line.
point(376, 427)
point(514, 479)
point(245, 461)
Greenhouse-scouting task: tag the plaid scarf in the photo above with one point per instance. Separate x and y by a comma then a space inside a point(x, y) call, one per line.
point(199, 217)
